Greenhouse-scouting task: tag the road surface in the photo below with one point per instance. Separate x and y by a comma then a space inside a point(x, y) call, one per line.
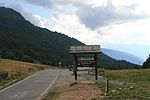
point(31, 88)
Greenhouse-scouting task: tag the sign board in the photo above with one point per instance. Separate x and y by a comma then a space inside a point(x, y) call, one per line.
point(86, 58)
point(85, 49)
point(85, 62)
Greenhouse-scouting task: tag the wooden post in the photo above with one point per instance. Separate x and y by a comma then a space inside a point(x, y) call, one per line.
point(107, 85)
point(96, 72)
point(75, 72)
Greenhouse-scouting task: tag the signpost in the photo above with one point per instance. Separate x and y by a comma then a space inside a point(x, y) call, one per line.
point(85, 56)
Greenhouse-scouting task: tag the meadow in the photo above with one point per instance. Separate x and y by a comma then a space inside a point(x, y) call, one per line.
point(139, 89)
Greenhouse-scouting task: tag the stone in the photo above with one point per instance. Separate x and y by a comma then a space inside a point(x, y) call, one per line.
point(113, 91)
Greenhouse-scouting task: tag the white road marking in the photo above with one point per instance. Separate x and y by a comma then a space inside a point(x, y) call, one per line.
point(18, 82)
point(46, 91)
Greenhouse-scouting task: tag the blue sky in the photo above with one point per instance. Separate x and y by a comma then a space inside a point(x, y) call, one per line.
point(115, 24)
point(45, 13)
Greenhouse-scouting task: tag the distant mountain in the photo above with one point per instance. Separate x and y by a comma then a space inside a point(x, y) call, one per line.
point(21, 40)
point(119, 55)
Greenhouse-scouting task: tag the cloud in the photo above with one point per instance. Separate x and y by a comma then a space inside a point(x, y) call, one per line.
point(76, 3)
point(33, 18)
point(51, 4)
point(96, 17)
point(68, 24)
point(129, 33)
point(42, 3)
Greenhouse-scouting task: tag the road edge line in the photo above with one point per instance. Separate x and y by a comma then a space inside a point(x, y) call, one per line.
point(18, 82)
point(46, 91)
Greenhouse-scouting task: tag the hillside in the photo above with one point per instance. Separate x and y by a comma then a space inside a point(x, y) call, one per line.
point(119, 55)
point(21, 40)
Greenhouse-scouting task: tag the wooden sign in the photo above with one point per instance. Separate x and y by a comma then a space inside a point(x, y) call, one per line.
point(85, 49)
point(85, 62)
point(82, 61)
point(86, 58)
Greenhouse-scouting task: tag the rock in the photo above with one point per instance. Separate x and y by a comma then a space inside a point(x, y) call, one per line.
point(124, 83)
point(113, 91)
point(131, 87)
point(118, 92)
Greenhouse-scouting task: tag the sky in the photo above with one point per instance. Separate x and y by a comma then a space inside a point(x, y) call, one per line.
point(114, 24)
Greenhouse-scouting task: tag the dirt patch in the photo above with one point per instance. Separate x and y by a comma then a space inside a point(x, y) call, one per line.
point(87, 82)
point(83, 90)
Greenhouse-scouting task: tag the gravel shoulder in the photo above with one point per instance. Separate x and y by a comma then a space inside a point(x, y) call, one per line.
point(66, 88)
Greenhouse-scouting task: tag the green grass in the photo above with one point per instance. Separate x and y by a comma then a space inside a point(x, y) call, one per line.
point(138, 91)
point(136, 76)
point(53, 93)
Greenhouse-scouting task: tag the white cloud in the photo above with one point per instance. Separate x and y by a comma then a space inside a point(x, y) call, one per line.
point(33, 18)
point(69, 24)
point(129, 33)
point(52, 3)
point(94, 23)
point(42, 3)
point(96, 17)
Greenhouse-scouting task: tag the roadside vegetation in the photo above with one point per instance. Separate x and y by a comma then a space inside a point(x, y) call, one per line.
point(52, 94)
point(139, 89)
point(12, 71)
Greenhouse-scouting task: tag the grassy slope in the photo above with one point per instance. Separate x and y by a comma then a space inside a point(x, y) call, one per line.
point(13, 65)
point(17, 70)
point(138, 91)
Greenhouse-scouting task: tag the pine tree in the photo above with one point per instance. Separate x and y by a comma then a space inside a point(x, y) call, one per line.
point(146, 64)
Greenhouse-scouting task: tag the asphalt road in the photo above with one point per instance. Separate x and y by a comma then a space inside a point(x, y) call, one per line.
point(31, 88)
